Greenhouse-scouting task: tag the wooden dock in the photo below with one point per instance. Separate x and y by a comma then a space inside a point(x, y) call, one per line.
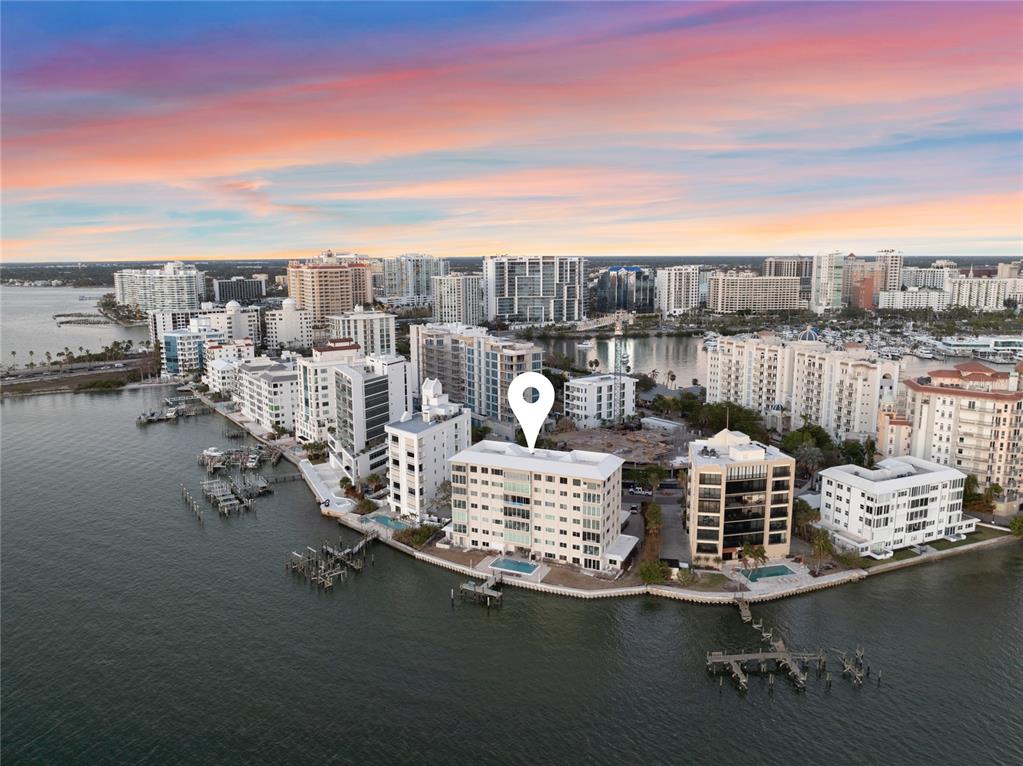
point(485, 593)
point(779, 659)
point(329, 563)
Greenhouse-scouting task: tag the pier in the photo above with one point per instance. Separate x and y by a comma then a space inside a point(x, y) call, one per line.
point(171, 413)
point(221, 495)
point(191, 503)
point(329, 563)
point(485, 593)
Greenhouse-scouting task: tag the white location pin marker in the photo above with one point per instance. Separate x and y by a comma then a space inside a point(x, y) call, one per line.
point(531, 415)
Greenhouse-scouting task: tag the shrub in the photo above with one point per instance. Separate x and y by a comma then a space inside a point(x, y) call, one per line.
point(417, 537)
point(653, 572)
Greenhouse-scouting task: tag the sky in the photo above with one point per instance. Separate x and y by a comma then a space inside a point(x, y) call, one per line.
point(264, 130)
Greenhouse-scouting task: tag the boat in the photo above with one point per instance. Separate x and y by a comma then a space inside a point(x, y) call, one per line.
point(252, 461)
point(924, 353)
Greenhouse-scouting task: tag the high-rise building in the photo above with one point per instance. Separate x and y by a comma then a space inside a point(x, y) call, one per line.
point(372, 330)
point(268, 394)
point(408, 279)
point(732, 291)
point(175, 287)
point(912, 298)
point(316, 411)
point(593, 400)
point(890, 263)
point(458, 299)
point(677, 290)
point(329, 285)
point(625, 288)
point(289, 326)
point(740, 491)
point(933, 276)
point(182, 352)
point(983, 293)
point(564, 507)
point(1013, 270)
point(534, 289)
point(792, 266)
point(369, 394)
point(970, 418)
point(234, 320)
point(862, 280)
point(474, 367)
point(826, 289)
point(221, 363)
point(800, 382)
point(904, 501)
point(420, 446)
point(241, 289)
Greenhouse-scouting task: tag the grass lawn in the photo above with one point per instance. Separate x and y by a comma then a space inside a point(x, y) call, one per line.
point(709, 581)
point(982, 534)
point(899, 555)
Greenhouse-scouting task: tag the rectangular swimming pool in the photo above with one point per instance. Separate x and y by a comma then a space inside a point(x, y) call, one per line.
point(387, 521)
point(511, 565)
point(761, 572)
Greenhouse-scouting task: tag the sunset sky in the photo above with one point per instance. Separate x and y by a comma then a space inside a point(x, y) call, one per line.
point(203, 130)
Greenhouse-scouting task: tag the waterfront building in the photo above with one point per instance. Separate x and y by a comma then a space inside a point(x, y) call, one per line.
point(534, 289)
point(933, 277)
point(241, 289)
point(625, 288)
point(792, 383)
point(594, 400)
point(473, 367)
point(891, 267)
point(408, 279)
point(826, 288)
point(458, 298)
point(999, 347)
point(289, 326)
point(970, 417)
point(793, 266)
point(175, 287)
point(182, 352)
point(229, 349)
point(221, 375)
point(372, 330)
point(983, 293)
point(902, 502)
point(369, 393)
point(912, 298)
point(234, 320)
point(419, 448)
point(677, 290)
point(740, 491)
point(267, 393)
point(330, 284)
point(732, 291)
point(565, 507)
point(316, 410)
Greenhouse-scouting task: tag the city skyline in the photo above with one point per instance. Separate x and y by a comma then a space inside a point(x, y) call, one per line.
point(259, 130)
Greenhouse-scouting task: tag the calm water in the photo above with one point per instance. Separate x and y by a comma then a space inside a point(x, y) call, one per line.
point(131, 635)
point(26, 323)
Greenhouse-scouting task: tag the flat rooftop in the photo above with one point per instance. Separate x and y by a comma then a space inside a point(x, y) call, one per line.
point(897, 471)
point(578, 463)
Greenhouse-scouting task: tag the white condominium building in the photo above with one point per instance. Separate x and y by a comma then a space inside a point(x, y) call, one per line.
point(534, 289)
point(267, 394)
point(473, 367)
point(458, 298)
point(561, 506)
point(372, 330)
point(933, 276)
point(182, 352)
point(289, 326)
point(419, 448)
point(732, 291)
point(175, 287)
point(229, 349)
point(368, 394)
point(793, 383)
point(912, 298)
point(826, 288)
point(971, 418)
point(316, 411)
point(904, 501)
point(890, 262)
point(740, 491)
point(234, 320)
point(408, 279)
point(983, 293)
point(792, 266)
point(330, 284)
point(677, 290)
point(221, 374)
point(594, 400)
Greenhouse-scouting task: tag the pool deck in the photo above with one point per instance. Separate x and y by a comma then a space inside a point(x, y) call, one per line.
point(484, 568)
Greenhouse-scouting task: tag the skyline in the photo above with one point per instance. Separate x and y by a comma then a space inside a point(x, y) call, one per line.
point(263, 130)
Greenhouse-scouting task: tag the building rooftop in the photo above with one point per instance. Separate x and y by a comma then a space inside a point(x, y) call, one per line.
point(603, 377)
point(891, 473)
point(598, 466)
point(729, 447)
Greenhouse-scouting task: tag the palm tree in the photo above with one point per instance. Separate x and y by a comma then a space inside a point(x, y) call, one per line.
point(671, 377)
point(759, 555)
point(653, 375)
point(49, 358)
point(809, 456)
point(820, 546)
point(14, 360)
point(31, 362)
point(594, 363)
point(746, 555)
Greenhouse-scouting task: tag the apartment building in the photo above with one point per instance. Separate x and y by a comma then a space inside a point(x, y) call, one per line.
point(792, 266)
point(913, 298)
point(970, 418)
point(983, 293)
point(891, 266)
point(625, 288)
point(221, 374)
point(934, 276)
point(792, 383)
point(593, 400)
point(316, 411)
point(904, 501)
point(826, 287)
point(473, 367)
point(182, 352)
point(289, 326)
point(408, 279)
point(175, 287)
point(458, 298)
point(740, 491)
point(330, 285)
point(419, 448)
point(534, 289)
point(677, 290)
point(372, 330)
point(369, 393)
point(732, 291)
point(234, 320)
point(267, 393)
point(564, 507)
point(242, 289)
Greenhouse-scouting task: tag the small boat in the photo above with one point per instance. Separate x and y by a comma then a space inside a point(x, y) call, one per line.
point(252, 461)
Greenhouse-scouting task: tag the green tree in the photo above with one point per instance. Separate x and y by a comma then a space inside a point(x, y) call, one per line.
point(820, 546)
point(653, 518)
point(653, 476)
point(1016, 525)
point(653, 572)
point(803, 517)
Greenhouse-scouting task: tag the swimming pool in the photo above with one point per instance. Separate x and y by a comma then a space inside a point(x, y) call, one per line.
point(387, 521)
point(761, 572)
point(511, 565)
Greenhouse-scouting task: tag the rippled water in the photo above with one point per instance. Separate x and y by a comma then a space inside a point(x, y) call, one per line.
point(132, 635)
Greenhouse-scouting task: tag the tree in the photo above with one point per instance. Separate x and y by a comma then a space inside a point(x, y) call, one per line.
point(652, 517)
point(746, 555)
point(809, 457)
point(820, 546)
point(373, 480)
point(593, 364)
point(440, 503)
point(671, 378)
point(1016, 525)
point(653, 476)
point(564, 425)
point(14, 360)
point(653, 572)
point(971, 488)
point(803, 517)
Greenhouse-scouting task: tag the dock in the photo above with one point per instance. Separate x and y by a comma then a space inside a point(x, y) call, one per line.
point(326, 565)
point(485, 593)
point(221, 495)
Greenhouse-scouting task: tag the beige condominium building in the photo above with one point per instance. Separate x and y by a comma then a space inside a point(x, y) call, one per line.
point(329, 285)
point(732, 291)
point(740, 491)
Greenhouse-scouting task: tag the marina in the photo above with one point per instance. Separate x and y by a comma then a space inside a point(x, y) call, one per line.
point(330, 563)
